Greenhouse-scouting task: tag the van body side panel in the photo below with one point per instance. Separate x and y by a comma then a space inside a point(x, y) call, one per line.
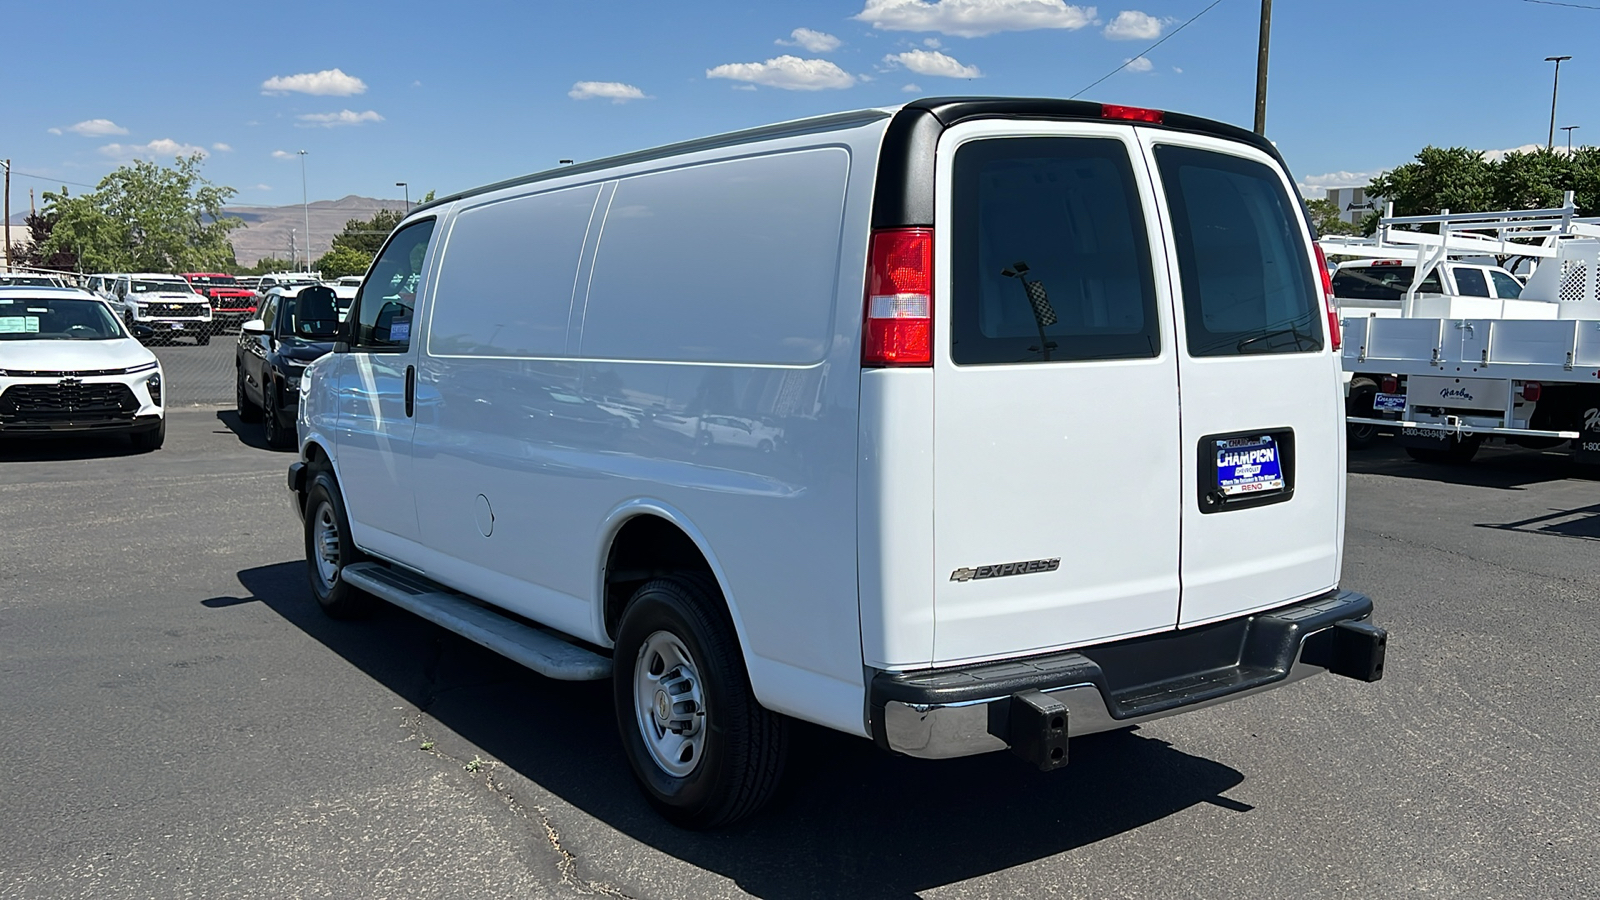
point(722, 320)
point(1056, 451)
point(895, 511)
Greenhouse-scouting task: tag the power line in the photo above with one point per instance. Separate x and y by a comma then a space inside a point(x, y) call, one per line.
point(1557, 3)
point(56, 180)
point(1146, 50)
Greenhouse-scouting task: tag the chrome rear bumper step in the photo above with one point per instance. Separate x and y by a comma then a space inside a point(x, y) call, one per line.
point(540, 651)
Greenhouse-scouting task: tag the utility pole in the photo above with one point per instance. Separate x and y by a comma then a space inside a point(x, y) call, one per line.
point(307, 206)
point(8, 215)
point(1261, 67)
point(1551, 144)
point(1569, 129)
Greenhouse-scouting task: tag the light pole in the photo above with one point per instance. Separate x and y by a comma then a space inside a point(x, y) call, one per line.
point(306, 206)
point(402, 184)
point(1551, 144)
point(1569, 129)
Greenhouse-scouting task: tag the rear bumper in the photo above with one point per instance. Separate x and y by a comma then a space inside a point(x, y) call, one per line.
point(941, 713)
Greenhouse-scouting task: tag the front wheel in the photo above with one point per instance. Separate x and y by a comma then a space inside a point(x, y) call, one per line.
point(248, 412)
point(704, 750)
point(203, 336)
point(278, 437)
point(329, 549)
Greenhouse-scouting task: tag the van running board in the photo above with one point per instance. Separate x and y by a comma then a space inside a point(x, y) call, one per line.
point(540, 651)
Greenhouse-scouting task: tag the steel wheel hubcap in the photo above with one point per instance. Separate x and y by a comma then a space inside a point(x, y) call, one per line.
point(669, 705)
point(325, 544)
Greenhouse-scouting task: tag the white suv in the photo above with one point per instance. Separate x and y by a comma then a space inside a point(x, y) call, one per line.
point(1060, 435)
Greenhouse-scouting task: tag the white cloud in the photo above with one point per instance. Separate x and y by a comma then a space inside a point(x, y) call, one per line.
point(615, 91)
point(342, 117)
point(221, 148)
point(1132, 25)
point(932, 43)
point(283, 154)
point(1497, 155)
point(912, 89)
point(1313, 187)
point(1139, 64)
point(263, 187)
point(1178, 70)
point(327, 83)
point(744, 87)
point(788, 72)
point(933, 63)
point(93, 128)
point(161, 147)
point(974, 18)
point(815, 41)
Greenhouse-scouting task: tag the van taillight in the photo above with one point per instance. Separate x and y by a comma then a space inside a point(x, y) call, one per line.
point(1327, 297)
point(899, 325)
point(1531, 391)
point(1130, 113)
point(1389, 385)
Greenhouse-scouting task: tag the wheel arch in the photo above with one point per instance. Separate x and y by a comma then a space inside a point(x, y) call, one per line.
point(643, 539)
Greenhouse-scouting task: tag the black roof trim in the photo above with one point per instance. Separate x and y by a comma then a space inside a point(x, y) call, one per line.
point(903, 196)
point(832, 122)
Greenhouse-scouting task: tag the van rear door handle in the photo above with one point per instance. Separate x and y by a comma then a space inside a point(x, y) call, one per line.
point(411, 390)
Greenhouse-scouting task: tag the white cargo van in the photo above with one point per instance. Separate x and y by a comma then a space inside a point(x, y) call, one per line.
point(976, 514)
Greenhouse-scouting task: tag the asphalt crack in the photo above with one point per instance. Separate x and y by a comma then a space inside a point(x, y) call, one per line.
point(1491, 563)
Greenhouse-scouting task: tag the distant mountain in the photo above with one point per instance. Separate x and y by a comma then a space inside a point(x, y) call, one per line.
point(267, 229)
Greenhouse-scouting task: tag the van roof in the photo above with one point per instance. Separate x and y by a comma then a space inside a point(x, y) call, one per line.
point(919, 123)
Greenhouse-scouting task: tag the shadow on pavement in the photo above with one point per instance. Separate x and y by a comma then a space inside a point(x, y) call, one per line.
point(248, 433)
point(1581, 524)
point(65, 447)
point(1506, 468)
point(853, 820)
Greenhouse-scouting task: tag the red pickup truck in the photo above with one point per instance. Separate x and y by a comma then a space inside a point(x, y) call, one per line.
point(231, 303)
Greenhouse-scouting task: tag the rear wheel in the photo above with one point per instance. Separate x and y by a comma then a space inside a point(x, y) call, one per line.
point(1359, 436)
point(248, 412)
point(329, 549)
point(1458, 453)
point(704, 750)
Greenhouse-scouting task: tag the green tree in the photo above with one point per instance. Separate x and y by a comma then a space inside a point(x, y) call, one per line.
point(33, 255)
point(145, 217)
point(342, 261)
point(1457, 179)
point(267, 265)
point(367, 235)
point(1325, 216)
point(1531, 180)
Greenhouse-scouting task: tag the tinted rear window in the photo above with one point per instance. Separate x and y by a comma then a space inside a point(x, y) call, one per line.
point(1247, 281)
point(1471, 283)
point(1381, 282)
point(1050, 255)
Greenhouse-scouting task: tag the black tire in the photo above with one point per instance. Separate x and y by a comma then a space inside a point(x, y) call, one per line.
point(147, 441)
point(740, 759)
point(338, 599)
point(1459, 453)
point(277, 436)
point(1362, 393)
point(203, 336)
point(248, 412)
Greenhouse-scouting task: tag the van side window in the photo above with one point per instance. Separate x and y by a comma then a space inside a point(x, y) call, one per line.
point(388, 296)
point(1470, 282)
point(1243, 262)
point(1050, 259)
point(1505, 287)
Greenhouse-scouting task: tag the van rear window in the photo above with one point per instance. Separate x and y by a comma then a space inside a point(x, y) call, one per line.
point(1050, 254)
point(1248, 287)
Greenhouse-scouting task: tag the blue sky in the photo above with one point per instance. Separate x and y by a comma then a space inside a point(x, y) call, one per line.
point(447, 96)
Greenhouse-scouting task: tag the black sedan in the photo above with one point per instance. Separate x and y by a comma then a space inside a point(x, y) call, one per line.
point(297, 325)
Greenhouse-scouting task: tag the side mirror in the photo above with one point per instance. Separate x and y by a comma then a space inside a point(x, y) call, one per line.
point(254, 326)
point(143, 332)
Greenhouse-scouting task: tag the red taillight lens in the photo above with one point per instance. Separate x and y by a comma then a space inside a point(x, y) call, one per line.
point(899, 325)
point(1531, 391)
point(1327, 297)
point(1389, 385)
point(1130, 113)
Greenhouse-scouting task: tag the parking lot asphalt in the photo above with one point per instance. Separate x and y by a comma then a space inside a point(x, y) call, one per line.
point(179, 720)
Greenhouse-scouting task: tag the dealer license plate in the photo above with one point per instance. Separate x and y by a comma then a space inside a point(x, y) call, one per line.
point(1389, 402)
point(1249, 465)
point(175, 326)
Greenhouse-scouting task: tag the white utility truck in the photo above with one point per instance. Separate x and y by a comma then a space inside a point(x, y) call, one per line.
point(1454, 371)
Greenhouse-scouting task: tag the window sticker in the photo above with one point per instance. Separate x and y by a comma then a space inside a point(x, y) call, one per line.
point(400, 331)
point(19, 324)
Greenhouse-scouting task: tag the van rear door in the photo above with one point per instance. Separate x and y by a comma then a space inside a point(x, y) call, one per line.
point(1262, 430)
point(1056, 432)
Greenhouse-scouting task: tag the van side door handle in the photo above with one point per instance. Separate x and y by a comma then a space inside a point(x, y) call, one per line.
point(411, 390)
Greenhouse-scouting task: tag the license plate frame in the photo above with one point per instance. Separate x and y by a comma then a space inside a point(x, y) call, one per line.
point(1245, 469)
point(1382, 402)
